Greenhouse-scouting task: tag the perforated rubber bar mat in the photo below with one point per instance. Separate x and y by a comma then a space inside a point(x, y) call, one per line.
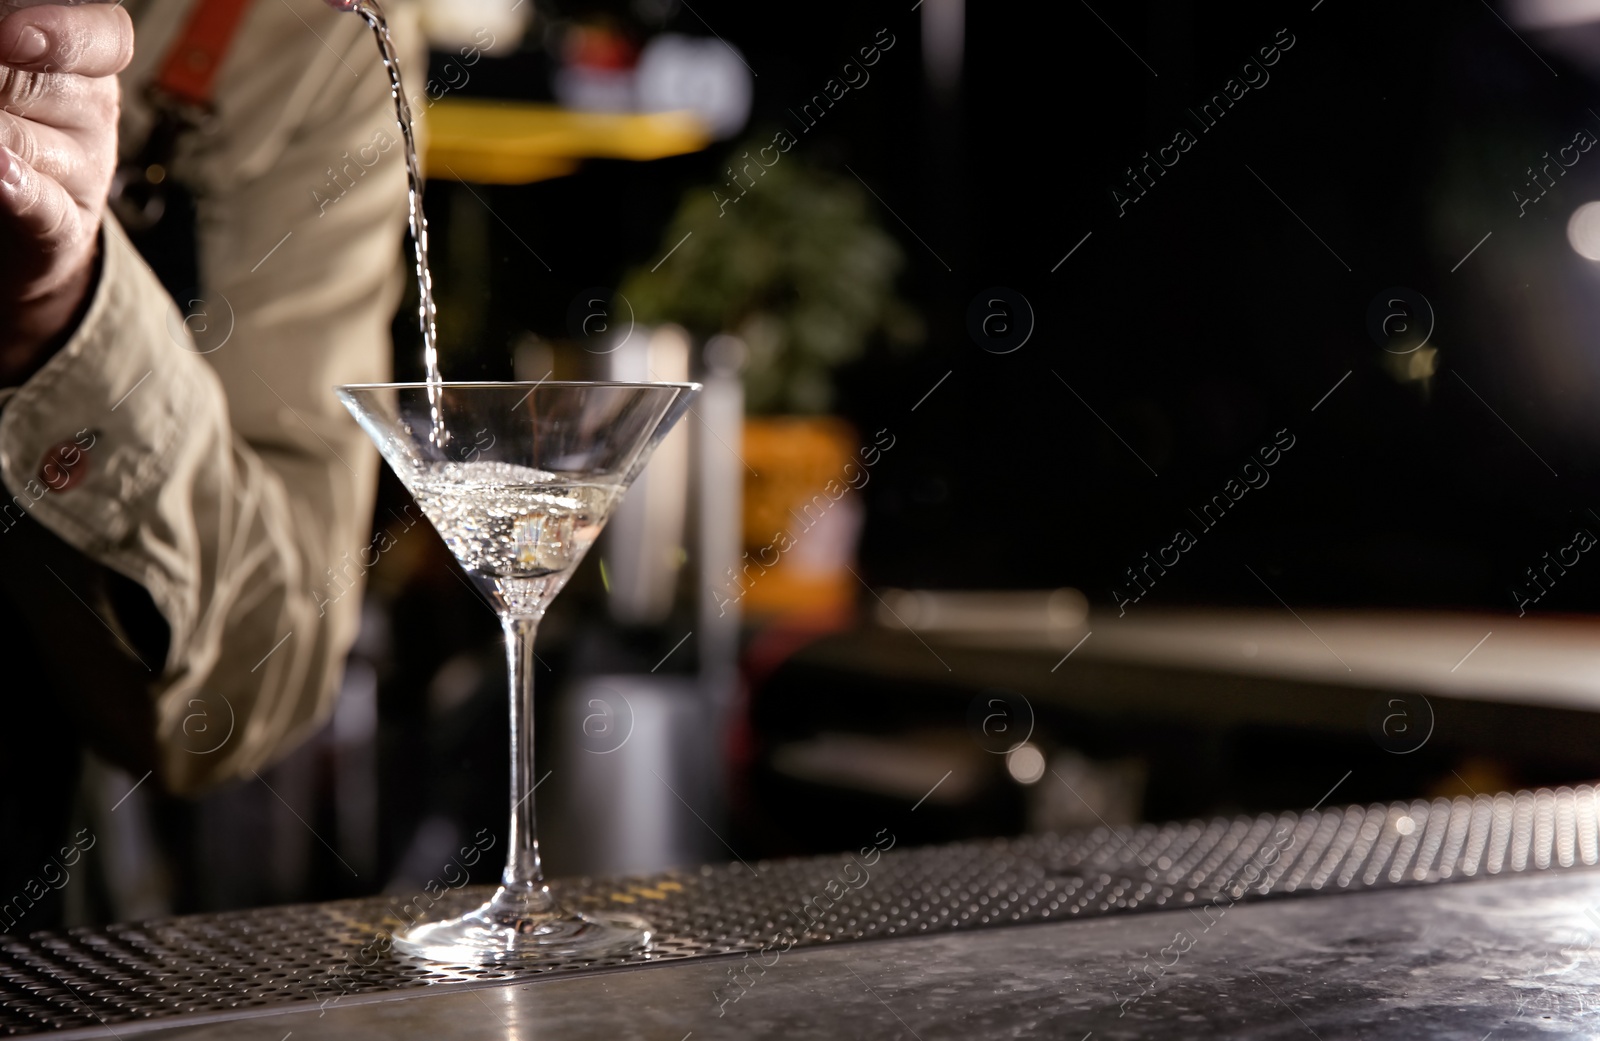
point(327, 953)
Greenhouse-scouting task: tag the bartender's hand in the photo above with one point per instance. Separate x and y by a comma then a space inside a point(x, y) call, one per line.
point(59, 103)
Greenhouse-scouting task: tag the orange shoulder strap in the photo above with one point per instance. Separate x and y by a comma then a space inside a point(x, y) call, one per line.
point(190, 70)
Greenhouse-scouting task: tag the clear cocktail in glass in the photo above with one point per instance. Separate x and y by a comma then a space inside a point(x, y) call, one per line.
point(519, 479)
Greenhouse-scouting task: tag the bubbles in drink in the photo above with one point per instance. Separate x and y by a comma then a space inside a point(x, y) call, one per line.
point(507, 521)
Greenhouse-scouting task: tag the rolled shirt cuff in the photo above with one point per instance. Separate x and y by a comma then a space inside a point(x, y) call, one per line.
point(125, 390)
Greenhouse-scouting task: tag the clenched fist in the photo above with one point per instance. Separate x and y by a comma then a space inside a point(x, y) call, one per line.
point(59, 104)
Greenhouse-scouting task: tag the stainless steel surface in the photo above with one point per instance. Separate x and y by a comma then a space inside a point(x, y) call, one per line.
point(331, 954)
point(1549, 661)
point(1504, 959)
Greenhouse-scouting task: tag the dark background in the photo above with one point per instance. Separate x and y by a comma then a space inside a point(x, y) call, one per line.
point(1196, 325)
point(1175, 343)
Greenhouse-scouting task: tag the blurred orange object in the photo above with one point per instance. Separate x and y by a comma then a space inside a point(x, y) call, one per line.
point(802, 520)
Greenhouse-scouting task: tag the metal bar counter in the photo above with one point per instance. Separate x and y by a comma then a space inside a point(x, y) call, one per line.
point(1459, 919)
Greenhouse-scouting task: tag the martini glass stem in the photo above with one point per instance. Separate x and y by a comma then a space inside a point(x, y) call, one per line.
point(523, 880)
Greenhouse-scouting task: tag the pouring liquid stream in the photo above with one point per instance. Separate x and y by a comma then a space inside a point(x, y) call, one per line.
point(426, 313)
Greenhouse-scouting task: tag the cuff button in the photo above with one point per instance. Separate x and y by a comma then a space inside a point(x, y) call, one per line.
point(65, 466)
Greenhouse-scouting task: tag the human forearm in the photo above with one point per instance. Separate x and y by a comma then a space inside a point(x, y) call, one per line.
point(232, 545)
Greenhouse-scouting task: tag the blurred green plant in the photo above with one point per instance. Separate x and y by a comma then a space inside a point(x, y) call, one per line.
point(797, 266)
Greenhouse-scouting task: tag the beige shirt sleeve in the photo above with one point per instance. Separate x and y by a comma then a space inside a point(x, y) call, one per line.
point(224, 476)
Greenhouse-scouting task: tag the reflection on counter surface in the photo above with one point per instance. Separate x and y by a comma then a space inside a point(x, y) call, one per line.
point(1446, 962)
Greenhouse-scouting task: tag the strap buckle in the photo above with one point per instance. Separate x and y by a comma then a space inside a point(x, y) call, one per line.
point(139, 187)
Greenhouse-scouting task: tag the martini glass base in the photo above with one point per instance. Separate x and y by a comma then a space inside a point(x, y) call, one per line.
point(506, 931)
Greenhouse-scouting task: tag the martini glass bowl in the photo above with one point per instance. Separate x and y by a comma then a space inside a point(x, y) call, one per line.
point(519, 479)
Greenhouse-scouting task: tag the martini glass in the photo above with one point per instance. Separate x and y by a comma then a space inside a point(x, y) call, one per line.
point(519, 478)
